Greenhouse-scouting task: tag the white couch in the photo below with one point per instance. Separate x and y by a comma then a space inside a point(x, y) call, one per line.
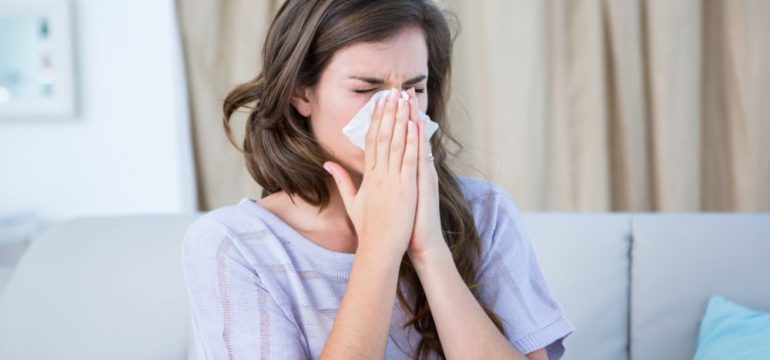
point(634, 285)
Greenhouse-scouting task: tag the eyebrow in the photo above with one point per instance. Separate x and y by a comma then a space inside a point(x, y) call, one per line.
point(372, 80)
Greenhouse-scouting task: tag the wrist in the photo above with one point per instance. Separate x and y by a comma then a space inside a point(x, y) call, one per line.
point(379, 253)
point(429, 257)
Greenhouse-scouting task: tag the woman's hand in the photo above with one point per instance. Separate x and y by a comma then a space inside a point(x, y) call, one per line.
point(427, 235)
point(383, 208)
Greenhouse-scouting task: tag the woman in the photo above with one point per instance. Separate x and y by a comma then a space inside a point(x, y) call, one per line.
point(389, 254)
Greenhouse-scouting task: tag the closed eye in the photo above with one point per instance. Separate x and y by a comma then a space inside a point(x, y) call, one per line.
point(419, 91)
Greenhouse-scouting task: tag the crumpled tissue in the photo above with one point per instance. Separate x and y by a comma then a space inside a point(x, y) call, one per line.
point(358, 126)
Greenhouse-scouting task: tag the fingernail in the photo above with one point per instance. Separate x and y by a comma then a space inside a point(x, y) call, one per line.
point(410, 127)
point(329, 169)
point(394, 94)
point(400, 104)
point(381, 101)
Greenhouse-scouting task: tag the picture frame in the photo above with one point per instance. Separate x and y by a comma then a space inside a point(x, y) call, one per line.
point(37, 75)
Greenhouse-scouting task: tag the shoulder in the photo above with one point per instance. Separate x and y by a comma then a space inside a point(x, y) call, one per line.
point(218, 222)
point(488, 201)
point(498, 223)
point(223, 228)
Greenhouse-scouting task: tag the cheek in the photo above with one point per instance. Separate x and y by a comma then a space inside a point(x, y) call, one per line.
point(331, 116)
point(340, 111)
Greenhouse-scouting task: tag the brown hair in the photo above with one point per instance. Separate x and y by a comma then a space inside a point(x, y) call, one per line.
point(282, 155)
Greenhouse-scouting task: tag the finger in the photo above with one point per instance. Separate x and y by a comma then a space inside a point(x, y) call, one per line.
point(399, 136)
point(425, 148)
point(409, 165)
point(344, 184)
point(414, 110)
point(385, 132)
point(370, 149)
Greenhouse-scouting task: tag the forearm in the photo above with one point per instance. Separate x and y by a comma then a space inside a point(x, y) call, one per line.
point(465, 330)
point(361, 328)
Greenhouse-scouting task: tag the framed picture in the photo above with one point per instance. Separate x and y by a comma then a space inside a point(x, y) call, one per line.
point(36, 59)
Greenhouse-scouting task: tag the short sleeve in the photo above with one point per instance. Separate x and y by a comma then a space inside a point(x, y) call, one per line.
point(512, 283)
point(232, 314)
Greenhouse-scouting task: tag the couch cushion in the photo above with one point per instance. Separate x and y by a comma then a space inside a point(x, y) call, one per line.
point(732, 331)
point(679, 261)
point(99, 288)
point(584, 259)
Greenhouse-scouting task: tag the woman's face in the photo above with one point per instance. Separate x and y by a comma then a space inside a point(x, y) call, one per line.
point(352, 76)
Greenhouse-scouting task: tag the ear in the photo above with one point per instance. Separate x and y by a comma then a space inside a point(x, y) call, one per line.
point(300, 99)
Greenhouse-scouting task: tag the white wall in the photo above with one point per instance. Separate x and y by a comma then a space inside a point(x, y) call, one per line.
point(127, 150)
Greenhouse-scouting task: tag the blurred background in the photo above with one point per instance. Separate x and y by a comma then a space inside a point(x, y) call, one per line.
point(580, 105)
point(112, 108)
point(583, 105)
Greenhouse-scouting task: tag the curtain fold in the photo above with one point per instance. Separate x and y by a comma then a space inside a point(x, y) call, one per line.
point(570, 105)
point(222, 42)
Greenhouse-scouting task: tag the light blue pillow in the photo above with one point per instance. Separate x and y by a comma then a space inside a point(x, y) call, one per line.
point(731, 331)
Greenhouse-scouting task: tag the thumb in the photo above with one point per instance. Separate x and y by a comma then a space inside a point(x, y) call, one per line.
point(341, 177)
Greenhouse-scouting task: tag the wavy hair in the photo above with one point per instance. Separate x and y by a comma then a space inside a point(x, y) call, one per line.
point(281, 153)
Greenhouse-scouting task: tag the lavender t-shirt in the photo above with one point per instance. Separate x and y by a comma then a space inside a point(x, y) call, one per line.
point(258, 289)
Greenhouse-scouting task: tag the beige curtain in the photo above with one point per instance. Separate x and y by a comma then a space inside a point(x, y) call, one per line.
point(222, 42)
point(570, 105)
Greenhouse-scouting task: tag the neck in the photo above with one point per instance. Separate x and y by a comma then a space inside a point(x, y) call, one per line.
point(335, 213)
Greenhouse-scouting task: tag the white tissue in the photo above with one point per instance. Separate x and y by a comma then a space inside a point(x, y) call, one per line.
point(358, 126)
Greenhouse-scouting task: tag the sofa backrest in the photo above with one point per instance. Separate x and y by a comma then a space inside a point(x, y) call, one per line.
point(99, 288)
point(679, 261)
point(584, 259)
